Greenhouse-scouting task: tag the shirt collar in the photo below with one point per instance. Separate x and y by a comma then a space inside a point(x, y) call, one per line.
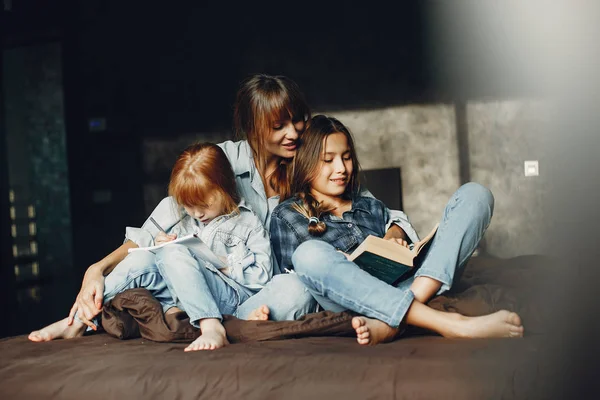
point(362, 204)
point(245, 160)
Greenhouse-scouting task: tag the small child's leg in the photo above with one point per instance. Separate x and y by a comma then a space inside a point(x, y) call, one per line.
point(213, 336)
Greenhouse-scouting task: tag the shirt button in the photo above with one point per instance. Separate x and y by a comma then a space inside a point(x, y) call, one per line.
point(349, 225)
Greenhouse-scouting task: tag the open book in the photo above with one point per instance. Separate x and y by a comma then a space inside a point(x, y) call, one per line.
point(387, 260)
point(196, 246)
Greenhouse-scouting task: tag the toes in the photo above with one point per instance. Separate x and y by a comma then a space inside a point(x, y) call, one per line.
point(357, 322)
point(361, 330)
point(363, 341)
point(514, 319)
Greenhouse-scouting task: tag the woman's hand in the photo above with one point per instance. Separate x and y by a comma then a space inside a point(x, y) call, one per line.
point(163, 238)
point(401, 242)
point(89, 300)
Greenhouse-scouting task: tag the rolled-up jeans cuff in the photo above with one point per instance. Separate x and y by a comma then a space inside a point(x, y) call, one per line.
point(441, 277)
point(402, 309)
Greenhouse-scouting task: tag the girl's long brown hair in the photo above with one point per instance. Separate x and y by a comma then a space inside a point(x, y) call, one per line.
point(260, 102)
point(201, 169)
point(306, 167)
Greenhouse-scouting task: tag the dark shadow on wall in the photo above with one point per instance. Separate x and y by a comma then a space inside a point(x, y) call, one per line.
point(162, 70)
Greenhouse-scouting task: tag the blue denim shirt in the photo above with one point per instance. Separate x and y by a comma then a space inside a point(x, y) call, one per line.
point(289, 228)
point(248, 180)
point(239, 237)
point(251, 188)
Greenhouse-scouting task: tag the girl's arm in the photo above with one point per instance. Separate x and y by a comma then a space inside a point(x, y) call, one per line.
point(398, 225)
point(255, 269)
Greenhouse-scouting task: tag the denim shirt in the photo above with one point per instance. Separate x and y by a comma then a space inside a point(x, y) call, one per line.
point(289, 228)
point(250, 187)
point(239, 237)
point(248, 180)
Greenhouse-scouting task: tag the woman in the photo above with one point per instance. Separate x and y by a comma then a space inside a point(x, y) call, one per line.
point(270, 112)
point(314, 231)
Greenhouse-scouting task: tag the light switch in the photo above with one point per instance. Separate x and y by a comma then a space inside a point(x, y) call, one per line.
point(532, 168)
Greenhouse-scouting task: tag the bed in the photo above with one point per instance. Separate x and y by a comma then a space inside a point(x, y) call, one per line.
point(260, 365)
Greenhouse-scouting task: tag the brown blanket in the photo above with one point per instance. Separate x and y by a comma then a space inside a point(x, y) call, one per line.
point(487, 285)
point(100, 366)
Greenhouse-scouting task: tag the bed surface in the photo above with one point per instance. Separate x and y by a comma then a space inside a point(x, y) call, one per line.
point(100, 366)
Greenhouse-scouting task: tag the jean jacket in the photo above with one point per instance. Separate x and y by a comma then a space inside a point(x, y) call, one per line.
point(289, 228)
point(239, 237)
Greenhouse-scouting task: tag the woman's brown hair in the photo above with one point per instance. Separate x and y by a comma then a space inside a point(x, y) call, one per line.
point(260, 102)
point(307, 163)
point(201, 169)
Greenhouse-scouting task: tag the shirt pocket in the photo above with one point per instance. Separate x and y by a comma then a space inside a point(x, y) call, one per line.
point(345, 243)
point(230, 245)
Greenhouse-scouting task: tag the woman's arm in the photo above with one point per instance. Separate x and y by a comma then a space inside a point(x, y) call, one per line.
point(88, 303)
point(255, 269)
point(89, 299)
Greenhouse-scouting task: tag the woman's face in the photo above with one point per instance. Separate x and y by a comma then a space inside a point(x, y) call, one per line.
point(283, 140)
point(335, 168)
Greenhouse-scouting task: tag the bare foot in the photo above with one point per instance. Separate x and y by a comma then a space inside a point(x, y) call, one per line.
point(58, 330)
point(500, 324)
point(213, 336)
point(260, 314)
point(372, 331)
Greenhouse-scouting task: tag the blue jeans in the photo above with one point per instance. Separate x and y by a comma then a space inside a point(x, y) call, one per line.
point(136, 270)
point(339, 284)
point(286, 296)
point(197, 287)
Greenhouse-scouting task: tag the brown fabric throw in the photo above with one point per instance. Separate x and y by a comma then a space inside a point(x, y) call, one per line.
point(487, 285)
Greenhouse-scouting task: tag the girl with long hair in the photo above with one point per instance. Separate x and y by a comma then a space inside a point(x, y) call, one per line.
point(313, 232)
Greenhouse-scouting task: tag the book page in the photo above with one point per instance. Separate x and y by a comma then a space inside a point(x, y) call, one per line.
point(196, 246)
point(419, 245)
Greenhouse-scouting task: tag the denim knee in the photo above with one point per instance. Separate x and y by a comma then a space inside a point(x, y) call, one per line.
point(170, 255)
point(293, 302)
point(477, 196)
point(309, 256)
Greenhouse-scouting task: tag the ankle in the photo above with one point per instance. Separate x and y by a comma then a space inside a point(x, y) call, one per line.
point(211, 324)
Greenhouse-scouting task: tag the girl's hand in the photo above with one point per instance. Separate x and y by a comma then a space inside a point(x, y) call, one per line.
point(162, 238)
point(401, 242)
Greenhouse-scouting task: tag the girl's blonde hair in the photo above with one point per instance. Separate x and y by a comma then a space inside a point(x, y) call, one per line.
point(203, 169)
point(306, 167)
point(260, 102)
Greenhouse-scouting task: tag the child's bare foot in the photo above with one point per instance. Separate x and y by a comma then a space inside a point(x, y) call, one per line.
point(58, 330)
point(213, 336)
point(260, 314)
point(500, 324)
point(372, 331)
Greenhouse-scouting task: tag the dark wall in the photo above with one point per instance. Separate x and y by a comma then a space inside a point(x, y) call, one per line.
point(158, 69)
